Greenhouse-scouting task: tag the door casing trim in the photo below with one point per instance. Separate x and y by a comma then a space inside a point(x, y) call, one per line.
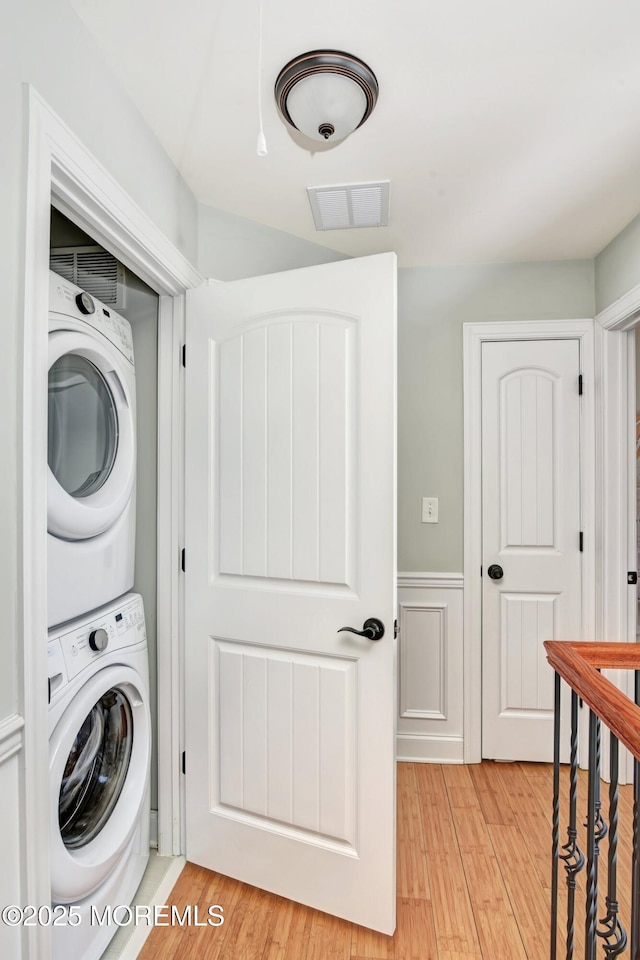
point(61, 170)
point(474, 335)
point(615, 425)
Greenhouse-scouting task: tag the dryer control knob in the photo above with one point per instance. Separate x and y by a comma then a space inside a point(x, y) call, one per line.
point(98, 639)
point(85, 303)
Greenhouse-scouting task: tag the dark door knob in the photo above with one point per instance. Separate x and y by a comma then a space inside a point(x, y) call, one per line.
point(372, 629)
point(495, 571)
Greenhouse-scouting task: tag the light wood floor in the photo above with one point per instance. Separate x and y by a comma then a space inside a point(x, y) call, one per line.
point(474, 861)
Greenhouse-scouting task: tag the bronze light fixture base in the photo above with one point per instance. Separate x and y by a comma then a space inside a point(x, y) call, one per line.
point(318, 63)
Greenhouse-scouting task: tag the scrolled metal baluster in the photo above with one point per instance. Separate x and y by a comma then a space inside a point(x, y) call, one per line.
point(612, 931)
point(573, 856)
point(555, 831)
point(592, 858)
point(601, 829)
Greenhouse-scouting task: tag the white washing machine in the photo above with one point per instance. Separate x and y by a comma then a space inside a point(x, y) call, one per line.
point(91, 453)
point(100, 751)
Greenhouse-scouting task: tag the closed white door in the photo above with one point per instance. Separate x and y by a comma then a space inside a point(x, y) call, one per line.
point(290, 534)
point(531, 536)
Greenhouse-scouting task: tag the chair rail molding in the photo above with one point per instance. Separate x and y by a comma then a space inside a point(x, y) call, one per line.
point(439, 581)
point(430, 667)
point(11, 737)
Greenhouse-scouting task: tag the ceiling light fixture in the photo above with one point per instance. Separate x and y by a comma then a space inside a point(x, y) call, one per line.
point(326, 94)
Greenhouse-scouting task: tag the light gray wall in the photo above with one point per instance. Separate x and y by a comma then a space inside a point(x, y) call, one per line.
point(231, 247)
point(617, 267)
point(433, 304)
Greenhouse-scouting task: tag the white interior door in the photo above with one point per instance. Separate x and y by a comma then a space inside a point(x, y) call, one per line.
point(290, 533)
point(531, 532)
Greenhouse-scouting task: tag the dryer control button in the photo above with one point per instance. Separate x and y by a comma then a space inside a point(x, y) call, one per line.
point(98, 639)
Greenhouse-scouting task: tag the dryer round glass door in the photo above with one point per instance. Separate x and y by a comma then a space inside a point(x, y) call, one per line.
point(95, 770)
point(83, 426)
point(91, 435)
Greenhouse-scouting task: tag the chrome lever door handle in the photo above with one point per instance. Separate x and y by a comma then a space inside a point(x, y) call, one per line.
point(372, 629)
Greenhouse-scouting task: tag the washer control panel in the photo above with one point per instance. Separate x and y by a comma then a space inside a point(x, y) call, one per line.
point(72, 301)
point(120, 625)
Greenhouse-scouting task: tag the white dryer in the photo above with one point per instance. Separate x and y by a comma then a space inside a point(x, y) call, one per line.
point(100, 750)
point(91, 453)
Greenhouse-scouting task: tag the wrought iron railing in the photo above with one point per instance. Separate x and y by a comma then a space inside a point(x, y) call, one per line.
point(579, 665)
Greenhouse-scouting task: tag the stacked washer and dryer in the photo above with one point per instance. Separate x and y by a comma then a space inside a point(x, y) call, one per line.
point(99, 718)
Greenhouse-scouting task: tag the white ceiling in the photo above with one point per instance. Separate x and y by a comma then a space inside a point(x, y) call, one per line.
point(510, 129)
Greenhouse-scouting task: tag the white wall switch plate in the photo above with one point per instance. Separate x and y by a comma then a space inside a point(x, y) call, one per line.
point(429, 509)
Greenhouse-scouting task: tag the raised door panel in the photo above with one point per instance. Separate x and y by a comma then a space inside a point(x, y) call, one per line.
point(529, 411)
point(287, 428)
point(526, 686)
point(287, 741)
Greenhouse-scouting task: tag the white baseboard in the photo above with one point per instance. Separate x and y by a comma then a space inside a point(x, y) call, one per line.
point(418, 748)
point(160, 896)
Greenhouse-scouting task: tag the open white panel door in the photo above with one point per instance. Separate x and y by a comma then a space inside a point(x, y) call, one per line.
point(290, 535)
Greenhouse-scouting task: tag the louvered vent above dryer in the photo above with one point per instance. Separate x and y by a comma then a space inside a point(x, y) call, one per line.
point(94, 270)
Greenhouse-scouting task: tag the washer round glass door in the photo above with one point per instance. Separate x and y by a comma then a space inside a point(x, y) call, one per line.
point(100, 754)
point(95, 770)
point(91, 438)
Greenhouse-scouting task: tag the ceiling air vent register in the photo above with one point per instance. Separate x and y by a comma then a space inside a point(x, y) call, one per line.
point(350, 205)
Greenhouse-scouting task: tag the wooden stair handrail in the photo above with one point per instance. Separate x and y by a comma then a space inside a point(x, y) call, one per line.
point(578, 664)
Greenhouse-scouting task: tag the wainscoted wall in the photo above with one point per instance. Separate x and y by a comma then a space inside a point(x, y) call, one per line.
point(11, 730)
point(430, 607)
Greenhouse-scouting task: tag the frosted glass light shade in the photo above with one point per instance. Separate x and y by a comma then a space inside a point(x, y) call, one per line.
point(326, 94)
point(324, 100)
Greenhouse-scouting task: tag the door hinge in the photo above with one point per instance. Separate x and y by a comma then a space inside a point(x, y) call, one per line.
point(184, 354)
point(580, 385)
point(184, 761)
point(395, 629)
point(480, 571)
point(581, 542)
point(632, 577)
point(183, 560)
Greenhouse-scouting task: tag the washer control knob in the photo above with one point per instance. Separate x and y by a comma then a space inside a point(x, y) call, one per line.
point(98, 639)
point(85, 303)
